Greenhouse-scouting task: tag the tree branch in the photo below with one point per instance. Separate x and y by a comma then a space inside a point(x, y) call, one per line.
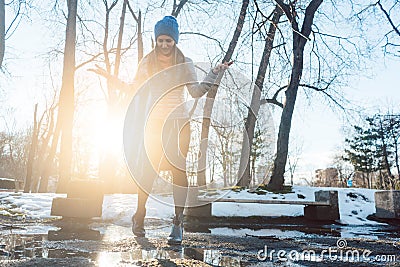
point(274, 100)
point(388, 18)
point(177, 8)
point(133, 13)
point(206, 36)
point(323, 90)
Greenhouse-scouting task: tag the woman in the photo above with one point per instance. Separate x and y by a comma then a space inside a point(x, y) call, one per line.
point(162, 77)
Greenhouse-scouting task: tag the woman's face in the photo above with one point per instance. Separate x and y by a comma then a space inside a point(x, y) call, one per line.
point(165, 44)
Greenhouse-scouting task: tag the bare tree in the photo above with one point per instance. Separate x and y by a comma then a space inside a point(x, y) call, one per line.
point(32, 152)
point(46, 152)
point(107, 168)
point(177, 7)
point(300, 38)
point(139, 21)
point(201, 177)
point(20, 8)
point(383, 15)
point(66, 107)
point(13, 150)
point(293, 160)
point(248, 136)
point(2, 31)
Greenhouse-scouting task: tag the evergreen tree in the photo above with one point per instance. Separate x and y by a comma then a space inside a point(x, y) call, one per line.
point(376, 148)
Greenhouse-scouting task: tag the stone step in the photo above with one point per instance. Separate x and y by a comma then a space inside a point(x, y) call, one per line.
point(76, 207)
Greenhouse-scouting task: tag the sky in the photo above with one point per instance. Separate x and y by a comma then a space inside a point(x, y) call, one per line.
point(316, 129)
point(320, 129)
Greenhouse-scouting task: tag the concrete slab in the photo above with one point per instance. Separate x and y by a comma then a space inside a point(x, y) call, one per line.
point(76, 207)
point(387, 204)
point(324, 213)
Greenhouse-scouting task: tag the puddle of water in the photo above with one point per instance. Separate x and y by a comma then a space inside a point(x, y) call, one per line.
point(17, 247)
point(82, 234)
point(67, 253)
point(21, 245)
point(212, 257)
point(25, 230)
point(365, 232)
point(369, 232)
point(260, 232)
point(216, 258)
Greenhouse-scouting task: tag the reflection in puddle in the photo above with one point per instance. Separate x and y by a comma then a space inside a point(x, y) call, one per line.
point(260, 232)
point(215, 257)
point(16, 247)
point(68, 253)
point(23, 246)
point(82, 234)
point(20, 247)
point(365, 232)
point(111, 258)
point(212, 257)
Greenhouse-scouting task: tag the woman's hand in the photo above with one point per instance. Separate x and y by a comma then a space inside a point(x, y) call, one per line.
point(117, 83)
point(221, 67)
point(100, 71)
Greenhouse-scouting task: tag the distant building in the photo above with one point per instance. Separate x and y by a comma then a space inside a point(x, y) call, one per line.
point(332, 177)
point(327, 177)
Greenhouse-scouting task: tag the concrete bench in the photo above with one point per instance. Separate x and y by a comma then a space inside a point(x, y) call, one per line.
point(387, 204)
point(11, 183)
point(84, 200)
point(324, 208)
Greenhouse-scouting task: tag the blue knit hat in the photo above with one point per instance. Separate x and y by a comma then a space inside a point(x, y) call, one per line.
point(167, 26)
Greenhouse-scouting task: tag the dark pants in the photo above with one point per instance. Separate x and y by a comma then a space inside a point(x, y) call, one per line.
point(167, 144)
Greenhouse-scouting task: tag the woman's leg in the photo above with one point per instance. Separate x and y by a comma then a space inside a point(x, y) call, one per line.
point(138, 218)
point(178, 164)
point(143, 190)
point(177, 161)
point(180, 189)
point(153, 154)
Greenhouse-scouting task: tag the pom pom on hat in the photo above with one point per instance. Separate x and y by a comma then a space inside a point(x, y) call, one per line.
point(167, 26)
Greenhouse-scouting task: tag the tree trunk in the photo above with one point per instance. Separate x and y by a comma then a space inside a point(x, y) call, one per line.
point(32, 152)
point(2, 31)
point(244, 176)
point(49, 162)
point(138, 20)
point(140, 37)
point(119, 44)
point(299, 40)
point(396, 158)
point(107, 169)
point(385, 154)
point(66, 110)
point(208, 106)
point(46, 163)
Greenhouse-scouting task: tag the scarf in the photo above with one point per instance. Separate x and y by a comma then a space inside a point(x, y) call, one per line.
point(165, 61)
point(158, 62)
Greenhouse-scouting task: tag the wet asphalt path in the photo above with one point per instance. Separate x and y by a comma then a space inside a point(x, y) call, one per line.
point(222, 242)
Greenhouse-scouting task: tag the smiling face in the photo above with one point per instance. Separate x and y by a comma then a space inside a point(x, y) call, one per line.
point(165, 44)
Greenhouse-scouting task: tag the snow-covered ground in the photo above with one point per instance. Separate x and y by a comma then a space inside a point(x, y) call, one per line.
point(355, 205)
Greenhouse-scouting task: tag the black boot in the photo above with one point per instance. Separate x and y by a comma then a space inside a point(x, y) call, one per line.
point(175, 238)
point(138, 223)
